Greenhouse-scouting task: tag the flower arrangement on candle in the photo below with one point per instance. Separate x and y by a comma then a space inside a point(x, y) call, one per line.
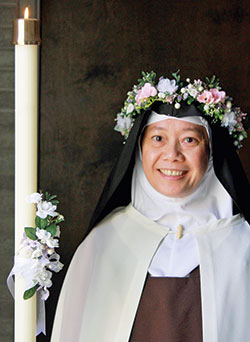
point(206, 95)
point(36, 258)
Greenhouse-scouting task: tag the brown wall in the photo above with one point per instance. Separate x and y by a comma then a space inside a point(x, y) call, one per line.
point(92, 53)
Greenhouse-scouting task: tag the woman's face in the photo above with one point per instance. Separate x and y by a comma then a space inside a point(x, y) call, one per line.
point(175, 156)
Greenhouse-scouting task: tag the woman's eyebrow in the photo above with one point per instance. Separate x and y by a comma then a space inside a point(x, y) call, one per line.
point(194, 129)
point(158, 128)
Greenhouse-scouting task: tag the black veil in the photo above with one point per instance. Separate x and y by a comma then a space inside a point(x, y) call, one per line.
point(227, 165)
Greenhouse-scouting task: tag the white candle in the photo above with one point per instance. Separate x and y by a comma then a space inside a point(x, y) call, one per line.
point(26, 112)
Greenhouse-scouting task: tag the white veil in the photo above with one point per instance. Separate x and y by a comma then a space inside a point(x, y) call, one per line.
point(210, 201)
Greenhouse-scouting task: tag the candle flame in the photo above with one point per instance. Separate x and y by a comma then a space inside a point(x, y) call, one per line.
point(26, 13)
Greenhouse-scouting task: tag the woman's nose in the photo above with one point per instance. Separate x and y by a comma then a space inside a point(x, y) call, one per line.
point(172, 152)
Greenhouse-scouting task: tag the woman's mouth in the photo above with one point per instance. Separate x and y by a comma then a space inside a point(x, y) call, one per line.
point(172, 173)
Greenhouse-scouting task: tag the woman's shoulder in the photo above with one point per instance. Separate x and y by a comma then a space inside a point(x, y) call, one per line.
point(107, 225)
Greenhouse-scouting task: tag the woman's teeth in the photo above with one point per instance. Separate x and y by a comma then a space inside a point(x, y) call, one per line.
point(171, 172)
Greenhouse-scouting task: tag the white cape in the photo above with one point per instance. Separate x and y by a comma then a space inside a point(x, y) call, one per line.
point(103, 285)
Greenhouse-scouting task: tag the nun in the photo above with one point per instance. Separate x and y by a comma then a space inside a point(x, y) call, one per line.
point(167, 255)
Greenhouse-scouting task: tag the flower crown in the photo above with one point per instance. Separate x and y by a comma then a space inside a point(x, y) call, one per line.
point(208, 97)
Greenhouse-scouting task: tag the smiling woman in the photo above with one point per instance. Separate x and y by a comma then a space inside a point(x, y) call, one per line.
point(175, 156)
point(159, 263)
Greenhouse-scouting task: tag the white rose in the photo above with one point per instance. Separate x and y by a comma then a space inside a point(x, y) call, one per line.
point(45, 208)
point(43, 235)
point(44, 278)
point(165, 85)
point(34, 198)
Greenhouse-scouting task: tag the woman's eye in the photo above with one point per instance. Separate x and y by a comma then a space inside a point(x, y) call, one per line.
point(190, 140)
point(157, 138)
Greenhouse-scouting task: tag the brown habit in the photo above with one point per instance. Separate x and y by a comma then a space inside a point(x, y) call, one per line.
point(169, 310)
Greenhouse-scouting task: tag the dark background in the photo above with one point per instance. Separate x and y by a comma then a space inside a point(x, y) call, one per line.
point(92, 53)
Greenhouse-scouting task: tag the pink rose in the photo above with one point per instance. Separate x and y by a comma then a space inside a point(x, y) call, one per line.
point(219, 96)
point(146, 91)
point(206, 97)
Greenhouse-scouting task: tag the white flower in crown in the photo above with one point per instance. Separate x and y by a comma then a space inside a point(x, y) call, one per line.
point(45, 208)
point(123, 122)
point(130, 108)
point(229, 119)
point(207, 96)
point(193, 91)
point(165, 85)
point(161, 95)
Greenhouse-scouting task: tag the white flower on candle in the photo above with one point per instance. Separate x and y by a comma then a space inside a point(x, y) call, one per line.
point(36, 254)
point(37, 259)
point(45, 238)
point(34, 198)
point(43, 277)
point(45, 208)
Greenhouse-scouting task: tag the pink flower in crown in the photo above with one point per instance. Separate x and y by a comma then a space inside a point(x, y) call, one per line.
point(218, 96)
point(146, 91)
point(206, 97)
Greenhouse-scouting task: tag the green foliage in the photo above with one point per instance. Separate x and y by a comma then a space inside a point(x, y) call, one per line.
point(41, 223)
point(50, 198)
point(59, 219)
point(30, 292)
point(177, 76)
point(52, 229)
point(214, 82)
point(148, 77)
point(31, 233)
